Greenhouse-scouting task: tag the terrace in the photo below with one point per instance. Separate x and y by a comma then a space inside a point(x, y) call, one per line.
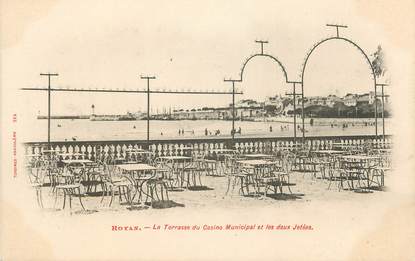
point(135, 175)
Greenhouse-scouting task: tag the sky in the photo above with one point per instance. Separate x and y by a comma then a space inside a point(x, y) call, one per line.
point(189, 45)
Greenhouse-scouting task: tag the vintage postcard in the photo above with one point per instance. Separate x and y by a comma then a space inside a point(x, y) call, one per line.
point(207, 130)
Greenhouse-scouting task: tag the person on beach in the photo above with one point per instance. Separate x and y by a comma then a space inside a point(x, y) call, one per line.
point(270, 128)
point(206, 131)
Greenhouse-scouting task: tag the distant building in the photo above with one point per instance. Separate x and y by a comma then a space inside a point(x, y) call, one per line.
point(332, 100)
point(249, 109)
point(350, 99)
point(315, 100)
point(363, 99)
point(277, 101)
point(247, 103)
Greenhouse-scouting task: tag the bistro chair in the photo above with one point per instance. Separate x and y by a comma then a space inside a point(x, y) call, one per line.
point(379, 169)
point(70, 185)
point(345, 172)
point(165, 169)
point(156, 188)
point(36, 172)
point(232, 171)
point(205, 165)
point(191, 173)
point(268, 179)
point(283, 172)
point(113, 181)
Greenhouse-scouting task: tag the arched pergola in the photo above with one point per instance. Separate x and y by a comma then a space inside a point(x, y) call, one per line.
point(241, 75)
point(301, 82)
point(361, 51)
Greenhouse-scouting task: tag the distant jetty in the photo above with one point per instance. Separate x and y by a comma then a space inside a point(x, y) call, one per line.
point(62, 117)
point(113, 118)
point(125, 117)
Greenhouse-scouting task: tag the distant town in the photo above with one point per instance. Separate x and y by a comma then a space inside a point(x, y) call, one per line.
point(331, 106)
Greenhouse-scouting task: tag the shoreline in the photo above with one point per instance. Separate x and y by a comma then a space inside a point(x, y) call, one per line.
point(209, 138)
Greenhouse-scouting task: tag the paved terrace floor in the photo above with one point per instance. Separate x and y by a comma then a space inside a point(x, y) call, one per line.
point(346, 225)
point(306, 189)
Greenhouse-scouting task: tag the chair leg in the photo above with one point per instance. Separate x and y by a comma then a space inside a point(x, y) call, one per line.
point(129, 200)
point(70, 200)
point(167, 192)
point(155, 192)
point(200, 179)
point(119, 194)
point(148, 192)
point(104, 192)
point(56, 198)
point(229, 183)
point(265, 190)
point(151, 195)
point(64, 199)
point(242, 185)
point(112, 196)
point(161, 192)
point(80, 200)
point(288, 185)
point(40, 197)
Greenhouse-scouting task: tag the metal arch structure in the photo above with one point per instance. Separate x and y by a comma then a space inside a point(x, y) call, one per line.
point(337, 38)
point(263, 55)
point(294, 84)
point(301, 83)
point(366, 57)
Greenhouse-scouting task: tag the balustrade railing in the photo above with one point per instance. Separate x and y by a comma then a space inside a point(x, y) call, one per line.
point(93, 149)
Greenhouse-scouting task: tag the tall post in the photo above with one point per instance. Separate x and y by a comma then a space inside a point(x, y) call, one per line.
point(376, 111)
point(49, 103)
point(294, 94)
point(48, 112)
point(382, 85)
point(233, 108)
point(295, 116)
point(148, 78)
point(302, 110)
point(383, 114)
